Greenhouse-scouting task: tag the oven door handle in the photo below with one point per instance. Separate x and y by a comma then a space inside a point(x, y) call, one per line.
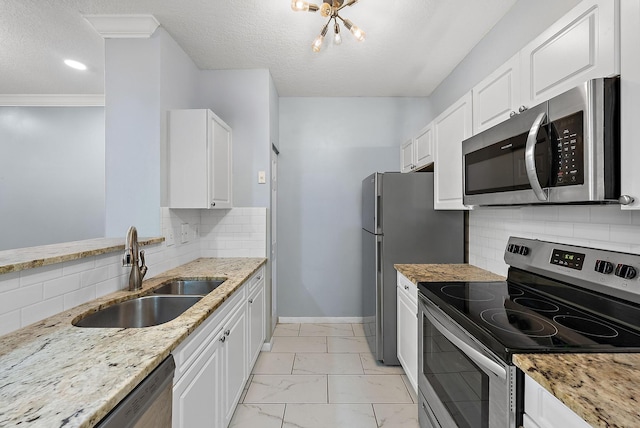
point(478, 357)
point(530, 158)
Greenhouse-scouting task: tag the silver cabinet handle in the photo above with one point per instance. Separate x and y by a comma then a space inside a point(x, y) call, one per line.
point(522, 108)
point(213, 204)
point(259, 277)
point(223, 338)
point(227, 332)
point(513, 113)
point(626, 200)
point(530, 157)
point(251, 301)
point(406, 287)
point(478, 357)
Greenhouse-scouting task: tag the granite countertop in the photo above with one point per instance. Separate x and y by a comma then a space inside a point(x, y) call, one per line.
point(53, 374)
point(32, 257)
point(446, 273)
point(601, 388)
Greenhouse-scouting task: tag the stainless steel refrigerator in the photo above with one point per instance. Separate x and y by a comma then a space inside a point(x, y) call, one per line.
point(399, 225)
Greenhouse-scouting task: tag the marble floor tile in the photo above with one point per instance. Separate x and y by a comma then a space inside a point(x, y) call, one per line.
point(327, 364)
point(286, 330)
point(299, 344)
point(412, 392)
point(246, 388)
point(287, 389)
point(373, 367)
point(326, 330)
point(274, 363)
point(358, 330)
point(329, 416)
point(258, 415)
point(396, 415)
point(347, 344)
point(367, 389)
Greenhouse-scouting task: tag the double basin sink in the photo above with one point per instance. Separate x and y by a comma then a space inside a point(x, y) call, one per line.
point(166, 302)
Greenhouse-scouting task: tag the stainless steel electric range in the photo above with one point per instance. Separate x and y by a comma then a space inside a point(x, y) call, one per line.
point(557, 298)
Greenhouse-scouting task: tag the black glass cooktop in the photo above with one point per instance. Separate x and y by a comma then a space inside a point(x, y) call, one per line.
point(528, 313)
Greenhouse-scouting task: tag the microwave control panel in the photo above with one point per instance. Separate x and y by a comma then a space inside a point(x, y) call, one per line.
point(567, 147)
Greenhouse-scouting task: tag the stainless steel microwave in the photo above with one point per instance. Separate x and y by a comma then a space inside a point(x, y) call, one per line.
point(565, 150)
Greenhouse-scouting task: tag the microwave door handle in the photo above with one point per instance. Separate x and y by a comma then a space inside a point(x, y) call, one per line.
point(530, 157)
point(478, 357)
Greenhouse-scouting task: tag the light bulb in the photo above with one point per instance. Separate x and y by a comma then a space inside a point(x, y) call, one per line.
point(337, 38)
point(357, 33)
point(325, 10)
point(317, 43)
point(303, 6)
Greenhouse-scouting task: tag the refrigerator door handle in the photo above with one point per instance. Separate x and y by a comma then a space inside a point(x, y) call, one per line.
point(379, 255)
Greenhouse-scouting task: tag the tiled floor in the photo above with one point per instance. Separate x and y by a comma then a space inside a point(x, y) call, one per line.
point(324, 376)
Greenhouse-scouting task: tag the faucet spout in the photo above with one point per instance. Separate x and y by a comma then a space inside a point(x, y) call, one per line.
point(133, 258)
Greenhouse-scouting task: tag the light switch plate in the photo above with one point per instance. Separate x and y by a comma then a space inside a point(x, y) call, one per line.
point(262, 177)
point(184, 233)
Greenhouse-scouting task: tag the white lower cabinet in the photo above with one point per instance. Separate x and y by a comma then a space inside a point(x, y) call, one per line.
point(543, 410)
point(407, 328)
point(214, 362)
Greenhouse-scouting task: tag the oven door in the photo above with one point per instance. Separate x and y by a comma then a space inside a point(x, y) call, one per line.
point(461, 383)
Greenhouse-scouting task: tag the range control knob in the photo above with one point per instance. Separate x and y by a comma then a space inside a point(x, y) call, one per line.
point(626, 271)
point(603, 266)
point(524, 251)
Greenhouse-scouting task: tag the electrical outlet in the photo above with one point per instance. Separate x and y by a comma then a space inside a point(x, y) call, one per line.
point(196, 231)
point(169, 241)
point(184, 233)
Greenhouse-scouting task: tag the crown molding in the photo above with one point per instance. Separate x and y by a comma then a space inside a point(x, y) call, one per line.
point(52, 100)
point(123, 26)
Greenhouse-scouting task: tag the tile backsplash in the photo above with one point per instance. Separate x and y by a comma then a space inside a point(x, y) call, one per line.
point(31, 295)
point(599, 226)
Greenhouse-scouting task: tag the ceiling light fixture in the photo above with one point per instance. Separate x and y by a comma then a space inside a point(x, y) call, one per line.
point(75, 64)
point(329, 9)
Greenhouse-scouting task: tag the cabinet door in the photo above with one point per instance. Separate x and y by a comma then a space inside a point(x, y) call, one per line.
point(629, 96)
point(407, 334)
point(406, 157)
point(234, 359)
point(424, 147)
point(497, 97)
point(580, 46)
point(220, 173)
point(451, 127)
point(543, 410)
point(196, 397)
point(256, 311)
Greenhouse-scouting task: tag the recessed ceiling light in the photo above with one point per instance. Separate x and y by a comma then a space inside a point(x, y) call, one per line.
point(75, 64)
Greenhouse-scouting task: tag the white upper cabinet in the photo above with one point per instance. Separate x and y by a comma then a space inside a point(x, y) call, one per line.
point(199, 159)
point(407, 162)
point(450, 129)
point(497, 97)
point(417, 152)
point(423, 146)
point(630, 100)
point(582, 45)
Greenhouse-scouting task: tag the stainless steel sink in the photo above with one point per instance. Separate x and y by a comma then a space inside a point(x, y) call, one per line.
point(190, 287)
point(144, 311)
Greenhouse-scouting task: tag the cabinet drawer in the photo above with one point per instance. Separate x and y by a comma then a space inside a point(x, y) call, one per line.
point(187, 352)
point(410, 289)
point(255, 279)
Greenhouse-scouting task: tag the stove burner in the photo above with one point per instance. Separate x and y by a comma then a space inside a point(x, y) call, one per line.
point(518, 322)
point(460, 293)
point(586, 326)
point(537, 304)
point(515, 291)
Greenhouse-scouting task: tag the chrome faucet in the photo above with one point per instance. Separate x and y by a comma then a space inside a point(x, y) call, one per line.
point(131, 259)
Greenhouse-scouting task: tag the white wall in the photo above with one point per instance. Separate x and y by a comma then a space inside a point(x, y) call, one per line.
point(327, 147)
point(51, 175)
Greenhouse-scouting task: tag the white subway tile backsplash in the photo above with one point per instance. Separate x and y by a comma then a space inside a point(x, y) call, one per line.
point(41, 310)
point(21, 297)
point(109, 286)
point(79, 297)
point(9, 281)
point(94, 276)
point(40, 274)
point(77, 266)
point(9, 322)
point(60, 286)
point(625, 234)
point(591, 231)
point(609, 214)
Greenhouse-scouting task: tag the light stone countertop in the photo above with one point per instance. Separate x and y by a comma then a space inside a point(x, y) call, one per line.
point(601, 388)
point(446, 273)
point(32, 257)
point(53, 374)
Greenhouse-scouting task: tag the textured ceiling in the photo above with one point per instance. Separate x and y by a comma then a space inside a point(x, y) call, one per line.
point(411, 45)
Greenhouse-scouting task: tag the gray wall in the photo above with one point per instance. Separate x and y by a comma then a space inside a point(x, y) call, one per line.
point(526, 20)
point(51, 175)
point(327, 147)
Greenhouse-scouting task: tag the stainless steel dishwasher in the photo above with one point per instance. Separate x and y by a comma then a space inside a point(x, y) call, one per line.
point(149, 404)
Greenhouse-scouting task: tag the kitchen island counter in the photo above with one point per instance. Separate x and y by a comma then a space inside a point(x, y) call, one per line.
point(53, 374)
point(600, 388)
